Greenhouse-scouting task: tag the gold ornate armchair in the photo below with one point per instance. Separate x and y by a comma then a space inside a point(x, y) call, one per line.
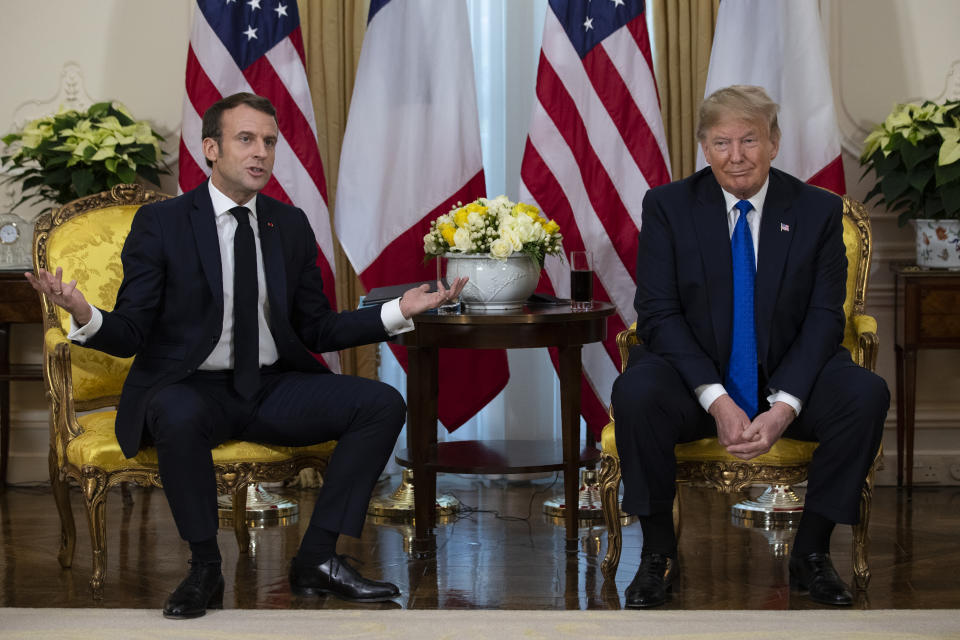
point(85, 238)
point(706, 462)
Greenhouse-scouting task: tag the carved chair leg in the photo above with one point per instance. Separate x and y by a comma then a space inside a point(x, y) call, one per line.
point(240, 517)
point(677, 522)
point(861, 538)
point(610, 502)
point(68, 530)
point(94, 485)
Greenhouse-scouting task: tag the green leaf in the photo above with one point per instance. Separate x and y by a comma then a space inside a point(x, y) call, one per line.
point(111, 164)
point(60, 176)
point(150, 174)
point(876, 191)
point(82, 181)
point(883, 165)
point(99, 109)
point(920, 177)
point(125, 173)
point(894, 184)
point(10, 138)
point(947, 173)
point(914, 155)
point(951, 200)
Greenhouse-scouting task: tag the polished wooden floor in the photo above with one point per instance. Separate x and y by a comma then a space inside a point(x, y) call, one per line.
point(501, 554)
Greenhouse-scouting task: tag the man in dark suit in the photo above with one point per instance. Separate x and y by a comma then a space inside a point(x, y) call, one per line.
point(222, 304)
point(741, 278)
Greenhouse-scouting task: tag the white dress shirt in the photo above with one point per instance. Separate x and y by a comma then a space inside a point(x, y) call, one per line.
point(222, 355)
point(708, 393)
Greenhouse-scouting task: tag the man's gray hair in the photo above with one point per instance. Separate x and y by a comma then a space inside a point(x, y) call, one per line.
point(741, 101)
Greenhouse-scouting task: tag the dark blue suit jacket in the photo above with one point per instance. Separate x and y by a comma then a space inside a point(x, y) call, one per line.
point(684, 295)
point(169, 309)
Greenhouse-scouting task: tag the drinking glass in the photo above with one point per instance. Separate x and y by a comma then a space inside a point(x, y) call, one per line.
point(581, 281)
point(454, 305)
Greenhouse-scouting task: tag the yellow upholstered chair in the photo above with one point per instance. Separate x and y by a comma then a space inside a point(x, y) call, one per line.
point(85, 238)
point(706, 462)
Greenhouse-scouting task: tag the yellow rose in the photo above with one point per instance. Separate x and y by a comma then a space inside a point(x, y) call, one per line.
point(460, 217)
point(551, 227)
point(528, 209)
point(447, 230)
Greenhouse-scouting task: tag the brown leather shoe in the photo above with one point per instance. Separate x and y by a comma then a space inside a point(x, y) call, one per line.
point(338, 578)
point(653, 582)
point(814, 574)
point(202, 589)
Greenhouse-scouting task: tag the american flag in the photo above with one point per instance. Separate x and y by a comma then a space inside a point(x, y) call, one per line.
point(256, 46)
point(596, 144)
point(411, 150)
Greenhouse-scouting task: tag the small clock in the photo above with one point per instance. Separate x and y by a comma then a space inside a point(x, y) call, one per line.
point(16, 238)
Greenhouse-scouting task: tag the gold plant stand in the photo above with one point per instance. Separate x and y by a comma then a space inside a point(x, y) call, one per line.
point(264, 509)
point(399, 504)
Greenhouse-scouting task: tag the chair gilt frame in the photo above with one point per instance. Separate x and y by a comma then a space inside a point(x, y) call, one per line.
point(734, 475)
point(232, 477)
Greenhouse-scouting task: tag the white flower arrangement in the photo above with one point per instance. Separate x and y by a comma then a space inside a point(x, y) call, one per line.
point(497, 227)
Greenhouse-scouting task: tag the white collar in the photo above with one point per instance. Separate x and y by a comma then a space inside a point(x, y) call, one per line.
point(756, 199)
point(222, 203)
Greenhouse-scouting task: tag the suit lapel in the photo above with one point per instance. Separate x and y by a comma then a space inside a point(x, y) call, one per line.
point(273, 264)
point(777, 228)
point(208, 244)
point(713, 237)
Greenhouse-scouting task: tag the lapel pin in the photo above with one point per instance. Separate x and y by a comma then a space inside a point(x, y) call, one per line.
point(784, 227)
point(270, 224)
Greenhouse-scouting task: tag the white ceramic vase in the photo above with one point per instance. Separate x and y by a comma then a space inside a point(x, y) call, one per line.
point(938, 243)
point(494, 285)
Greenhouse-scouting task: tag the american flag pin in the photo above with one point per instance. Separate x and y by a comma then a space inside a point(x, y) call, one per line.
point(784, 227)
point(270, 224)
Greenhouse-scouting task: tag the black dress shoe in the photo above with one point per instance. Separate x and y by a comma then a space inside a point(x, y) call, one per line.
point(338, 578)
point(814, 573)
point(202, 589)
point(653, 581)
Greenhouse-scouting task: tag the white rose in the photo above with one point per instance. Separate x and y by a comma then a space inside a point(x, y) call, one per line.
point(475, 219)
point(501, 248)
point(461, 240)
point(511, 236)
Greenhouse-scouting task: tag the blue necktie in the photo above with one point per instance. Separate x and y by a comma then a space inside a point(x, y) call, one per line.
point(741, 380)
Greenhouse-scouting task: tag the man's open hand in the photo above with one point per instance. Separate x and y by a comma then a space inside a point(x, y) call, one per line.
point(419, 299)
point(63, 294)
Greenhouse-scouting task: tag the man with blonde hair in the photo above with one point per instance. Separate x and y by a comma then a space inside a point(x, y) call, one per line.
point(741, 276)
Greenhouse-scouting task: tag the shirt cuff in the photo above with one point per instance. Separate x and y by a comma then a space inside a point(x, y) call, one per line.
point(392, 318)
point(707, 393)
point(783, 396)
point(87, 331)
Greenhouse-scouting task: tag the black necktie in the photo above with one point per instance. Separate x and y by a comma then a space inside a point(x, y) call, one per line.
point(246, 346)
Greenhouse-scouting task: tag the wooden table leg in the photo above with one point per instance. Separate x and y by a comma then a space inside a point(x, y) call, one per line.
point(898, 351)
point(4, 403)
point(422, 387)
point(909, 409)
point(570, 374)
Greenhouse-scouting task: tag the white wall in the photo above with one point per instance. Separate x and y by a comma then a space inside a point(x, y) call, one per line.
point(134, 51)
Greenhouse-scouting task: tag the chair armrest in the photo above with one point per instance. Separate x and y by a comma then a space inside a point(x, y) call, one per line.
point(865, 328)
point(626, 339)
point(58, 378)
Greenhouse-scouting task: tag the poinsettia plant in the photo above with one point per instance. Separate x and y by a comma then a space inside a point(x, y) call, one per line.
point(75, 153)
point(915, 154)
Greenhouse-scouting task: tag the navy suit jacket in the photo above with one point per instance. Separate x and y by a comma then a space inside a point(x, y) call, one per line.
point(684, 295)
point(169, 309)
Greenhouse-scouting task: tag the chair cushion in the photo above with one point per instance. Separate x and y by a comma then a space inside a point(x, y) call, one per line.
point(784, 452)
point(97, 446)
